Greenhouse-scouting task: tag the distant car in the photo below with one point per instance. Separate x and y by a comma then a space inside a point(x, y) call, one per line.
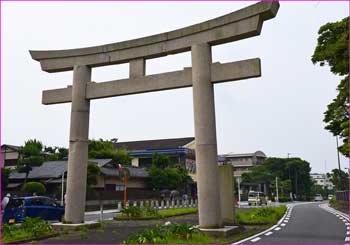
point(35, 206)
point(318, 197)
point(256, 198)
point(330, 196)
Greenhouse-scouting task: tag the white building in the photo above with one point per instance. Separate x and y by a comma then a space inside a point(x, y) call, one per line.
point(322, 180)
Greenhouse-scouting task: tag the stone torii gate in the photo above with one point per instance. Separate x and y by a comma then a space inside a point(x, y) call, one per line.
point(198, 39)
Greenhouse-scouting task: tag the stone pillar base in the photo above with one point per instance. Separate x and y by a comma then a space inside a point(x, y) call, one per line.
point(221, 232)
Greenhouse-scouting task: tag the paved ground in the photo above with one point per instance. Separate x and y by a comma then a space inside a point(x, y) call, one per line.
point(304, 223)
point(310, 223)
point(115, 232)
point(96, 215)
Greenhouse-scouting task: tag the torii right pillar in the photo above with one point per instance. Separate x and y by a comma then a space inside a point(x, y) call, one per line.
point(205, 132)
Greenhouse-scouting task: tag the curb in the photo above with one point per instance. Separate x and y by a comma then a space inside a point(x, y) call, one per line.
point(267, 230)
point(32, 238)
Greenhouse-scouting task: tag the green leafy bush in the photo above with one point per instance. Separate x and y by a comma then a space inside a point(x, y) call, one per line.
point(30, 228)
point(284, 199)
point(37, 187)
point(132, 211)
point(164, 234)
point(266, 215)
point(146, 211)
point(333, 202)
point(36, 226)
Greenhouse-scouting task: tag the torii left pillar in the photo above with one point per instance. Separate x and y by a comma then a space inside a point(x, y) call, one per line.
point(78, 146)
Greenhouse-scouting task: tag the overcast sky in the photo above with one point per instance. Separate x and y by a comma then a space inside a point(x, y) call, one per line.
point(279, 113)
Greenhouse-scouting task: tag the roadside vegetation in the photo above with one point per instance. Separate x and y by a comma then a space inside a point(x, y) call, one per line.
point(252, 221)
point(261, 216)
point(170, 234)
point(31, 228)
point(148, 212)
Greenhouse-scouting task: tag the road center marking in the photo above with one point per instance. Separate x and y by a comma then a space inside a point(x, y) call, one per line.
point(255, 239)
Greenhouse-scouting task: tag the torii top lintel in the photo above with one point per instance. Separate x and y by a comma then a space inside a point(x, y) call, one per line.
point(244, 23)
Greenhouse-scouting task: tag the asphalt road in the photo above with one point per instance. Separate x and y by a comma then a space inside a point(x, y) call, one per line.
point(309, 223)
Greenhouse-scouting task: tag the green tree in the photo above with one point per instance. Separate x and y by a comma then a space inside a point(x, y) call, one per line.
point(62, 153)
point(339, 179)
point(32, 148)
point(165, 177)
point(332, 49)
point(160, 160)
point(5, 174)
point(31, 156)
point(34, 187)
point(93, 171)
point(100, 149)
point(293, 175)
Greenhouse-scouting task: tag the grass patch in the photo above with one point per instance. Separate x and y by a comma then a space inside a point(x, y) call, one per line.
point(176, 211)
point(31, 228)
point(170, 234)
point(195, 239)
point(246, 232)
point(145, 213)
point(261, 216)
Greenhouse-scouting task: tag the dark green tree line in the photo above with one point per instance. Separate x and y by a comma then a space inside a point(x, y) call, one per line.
point(333, 50)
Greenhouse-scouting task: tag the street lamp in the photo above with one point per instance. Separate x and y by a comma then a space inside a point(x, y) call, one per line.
point(124, 174)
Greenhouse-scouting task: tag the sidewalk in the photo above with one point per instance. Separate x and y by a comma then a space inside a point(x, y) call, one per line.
point(104, 211)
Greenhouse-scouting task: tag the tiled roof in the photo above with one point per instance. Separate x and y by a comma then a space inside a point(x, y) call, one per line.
point(134, 172)
point(52, 169)
point(154, 144)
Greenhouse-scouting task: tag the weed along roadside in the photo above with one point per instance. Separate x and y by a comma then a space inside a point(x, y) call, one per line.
point(252, 221)
point(144, 213)
point(30, 229)
point(170, 226)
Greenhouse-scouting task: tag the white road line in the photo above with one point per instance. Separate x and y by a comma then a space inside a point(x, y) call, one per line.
point(348, 227)
point(283, 224)
point(269, 233)
point(344, 220)
point(347, 239)
point(278, 228)
point(255, 239)
point(347, 223)
point(348, 233)
point(265, 231)
point(285, 221)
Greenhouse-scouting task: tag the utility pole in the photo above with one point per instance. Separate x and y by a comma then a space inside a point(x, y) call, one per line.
point(296, 184)
point(336, 137)
point(340, 182)
point(277, 189)
point(62, 189)
point(239, 191)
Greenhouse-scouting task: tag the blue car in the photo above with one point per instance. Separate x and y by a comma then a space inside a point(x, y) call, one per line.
point(36, 206)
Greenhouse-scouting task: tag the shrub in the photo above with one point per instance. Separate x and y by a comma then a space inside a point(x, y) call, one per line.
point(132, 211)
point(333, 202)
point(147, 211)
point(164, 233)
point(284, 199)
point(266, 215)
point(36, 226)
point(37, 187)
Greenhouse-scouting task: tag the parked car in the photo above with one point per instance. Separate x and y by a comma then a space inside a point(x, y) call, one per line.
point(35, 206)
point(256, 198)
point(318, 197)
point(330, 196)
